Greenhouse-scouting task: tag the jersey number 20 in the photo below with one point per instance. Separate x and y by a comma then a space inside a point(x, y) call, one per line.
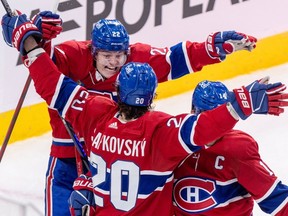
point(121, 200)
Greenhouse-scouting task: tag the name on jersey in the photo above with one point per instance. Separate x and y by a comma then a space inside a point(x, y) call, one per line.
point(118, 145)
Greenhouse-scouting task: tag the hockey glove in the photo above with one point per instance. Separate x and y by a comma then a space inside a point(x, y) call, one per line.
point(16, 29)
point(81, 201)
point(259, 98)
point(48, 23)
point(219, 44)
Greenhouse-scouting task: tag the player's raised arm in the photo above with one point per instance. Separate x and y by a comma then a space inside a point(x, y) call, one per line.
point(178, 60)
point(21, 33)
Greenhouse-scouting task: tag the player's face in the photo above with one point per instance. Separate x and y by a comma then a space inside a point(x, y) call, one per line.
point(109, 62)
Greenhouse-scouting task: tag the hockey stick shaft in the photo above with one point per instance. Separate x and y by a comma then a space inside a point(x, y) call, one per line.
point(15, 116)
point(7, 7)
point(79, 147)
point(79, 163)
point(21, 100)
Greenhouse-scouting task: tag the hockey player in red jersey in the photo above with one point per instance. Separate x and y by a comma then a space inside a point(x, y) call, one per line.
point(229, 175)
point(95, 64)
point(130, 161)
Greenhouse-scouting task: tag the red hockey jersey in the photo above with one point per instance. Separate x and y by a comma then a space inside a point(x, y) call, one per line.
point(131, 162)
point(226, 178)
point(74, 59)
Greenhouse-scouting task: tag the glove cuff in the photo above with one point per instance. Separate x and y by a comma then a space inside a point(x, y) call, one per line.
point(211, 48)
point(237, 107)
point(83, 184)
point(36, 35)
point(22, 32)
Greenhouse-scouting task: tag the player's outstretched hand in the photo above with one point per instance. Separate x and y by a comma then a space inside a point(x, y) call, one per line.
point(81, 201)
point(259, 98)
point(17, 29)
point(219, 44)
point(48, 23)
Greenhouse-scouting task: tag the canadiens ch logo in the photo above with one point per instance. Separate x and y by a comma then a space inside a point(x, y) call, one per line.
point(194, 194)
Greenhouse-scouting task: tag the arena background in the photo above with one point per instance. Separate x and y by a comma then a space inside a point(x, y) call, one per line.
point(160, 23)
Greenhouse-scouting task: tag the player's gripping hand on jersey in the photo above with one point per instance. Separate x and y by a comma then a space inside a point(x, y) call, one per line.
point(260, 98)
point(219, 44)
point(81, 201)
point(48, 23)
point(18, 28)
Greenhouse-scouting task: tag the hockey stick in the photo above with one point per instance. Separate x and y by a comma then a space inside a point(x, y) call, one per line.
point(22, 97)
point(23, 94)
point(81, 156)
point(15, 115)
point(7, 7)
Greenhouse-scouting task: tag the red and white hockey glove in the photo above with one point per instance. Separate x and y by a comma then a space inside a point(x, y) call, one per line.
point(81, 201)
point(50, 24)
point(17, 29)
point(219, 44)
point(259, 98)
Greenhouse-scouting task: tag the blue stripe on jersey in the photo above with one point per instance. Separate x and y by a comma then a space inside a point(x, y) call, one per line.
point(148, 183)
point(228, 192)
point(222, 193)
point(186, 130)
point(179, 66)
point(274, 199)
point(63, 94)
point(64, 142)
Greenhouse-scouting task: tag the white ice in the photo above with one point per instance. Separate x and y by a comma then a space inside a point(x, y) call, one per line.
point(23, 167)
